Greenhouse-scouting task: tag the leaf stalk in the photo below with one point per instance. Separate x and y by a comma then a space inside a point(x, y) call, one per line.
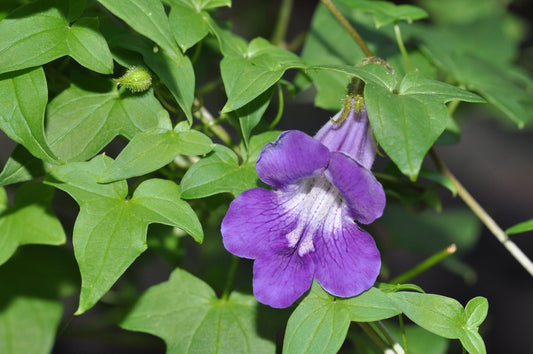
point(346, 24)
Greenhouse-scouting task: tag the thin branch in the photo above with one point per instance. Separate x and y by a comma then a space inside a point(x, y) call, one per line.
point(483, 215)
point(280, 31)
point(425, 265)
point(351, 31)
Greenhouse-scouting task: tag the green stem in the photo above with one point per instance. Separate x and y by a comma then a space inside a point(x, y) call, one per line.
point(351, 31)
point(425, 265)
point(205, 117)
point(399, 40)
point(404, 337)
point(380, 327)
point(280, 31)
point(371, 333)
point(483, 215)
point(280, 108)
point(231, 276)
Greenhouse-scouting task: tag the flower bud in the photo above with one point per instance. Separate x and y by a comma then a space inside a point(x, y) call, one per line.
point(136, 79)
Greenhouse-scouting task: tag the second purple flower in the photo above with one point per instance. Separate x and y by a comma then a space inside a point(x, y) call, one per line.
point(305, 228)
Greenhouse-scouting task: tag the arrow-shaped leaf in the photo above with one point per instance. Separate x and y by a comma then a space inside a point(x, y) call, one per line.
point(110, 231)
point(153, 149)
point(45, 30)
point(22, 105)
point(185, 308)
point(82, 120)
point(32, 203)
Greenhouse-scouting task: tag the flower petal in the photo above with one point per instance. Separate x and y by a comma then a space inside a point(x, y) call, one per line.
point(294, 155)
point(281, 277)
point(361, 190)
point(347, 261)
point(353, 136)
point(253, 221)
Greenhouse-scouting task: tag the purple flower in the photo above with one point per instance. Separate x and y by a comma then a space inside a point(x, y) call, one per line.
point(305, 228)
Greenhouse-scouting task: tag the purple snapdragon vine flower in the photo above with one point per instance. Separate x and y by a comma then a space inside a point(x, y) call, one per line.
point(305, 228)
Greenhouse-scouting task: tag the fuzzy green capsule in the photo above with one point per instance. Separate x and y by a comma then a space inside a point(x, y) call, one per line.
point(136, 79)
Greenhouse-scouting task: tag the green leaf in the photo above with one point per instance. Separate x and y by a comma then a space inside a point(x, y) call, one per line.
point(27, 317)
point(392, 288)
point(83, 119)
point(45, 30)
point(153, 149)
point(158, 202)
point(473, 343)
point(176, 72)
point(438, 314)
point(173, 68)
point(406, 117)
point(230, 44)
point(327, 318)
point(147, 17)
point(439, 178)
point(30, 220)
point(32, 281)
point(250, 115)
point(188, 21)
point(476, 311)
point(257, 142)
point(521, 227)
point(110, 231)
point(21, 167)
point(187, 24)
point(247, 75)
point(218, 172)
point(407, 124)
point(485, 68)
point(387, 12)
point(187, 315)
point(318, 325)
point(22, 105)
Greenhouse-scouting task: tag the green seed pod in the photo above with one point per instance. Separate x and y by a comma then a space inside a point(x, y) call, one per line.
point(136, 79)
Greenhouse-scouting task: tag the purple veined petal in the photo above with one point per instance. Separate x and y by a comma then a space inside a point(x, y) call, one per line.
point(347, 261)
point(281, 277)
point(292, 156)
point(253, 222)
point(353, 136)
point(361, 190)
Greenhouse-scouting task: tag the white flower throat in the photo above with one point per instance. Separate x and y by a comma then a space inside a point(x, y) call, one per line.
point(315, 204)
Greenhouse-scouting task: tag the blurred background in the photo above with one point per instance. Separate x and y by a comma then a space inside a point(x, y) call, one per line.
point(493, 160)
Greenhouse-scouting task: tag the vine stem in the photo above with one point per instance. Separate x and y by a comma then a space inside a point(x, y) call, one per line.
point(515, 251)
point(425, 265)
point(351, 31)
point(231, 275)
point(404, 337)
point(401, 45)
point(207, 118)
point(390, 339)
point(280, 31)
point(374, 337)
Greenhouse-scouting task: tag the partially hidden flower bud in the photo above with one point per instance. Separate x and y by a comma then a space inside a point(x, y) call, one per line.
point(136, 79)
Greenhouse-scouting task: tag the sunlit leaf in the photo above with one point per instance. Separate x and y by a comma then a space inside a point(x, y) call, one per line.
point(187, 315)
point(110, 231)
point(45, 30)
point(385, 12)
point(153, 149)
point(22, 105)
point(84, 118)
